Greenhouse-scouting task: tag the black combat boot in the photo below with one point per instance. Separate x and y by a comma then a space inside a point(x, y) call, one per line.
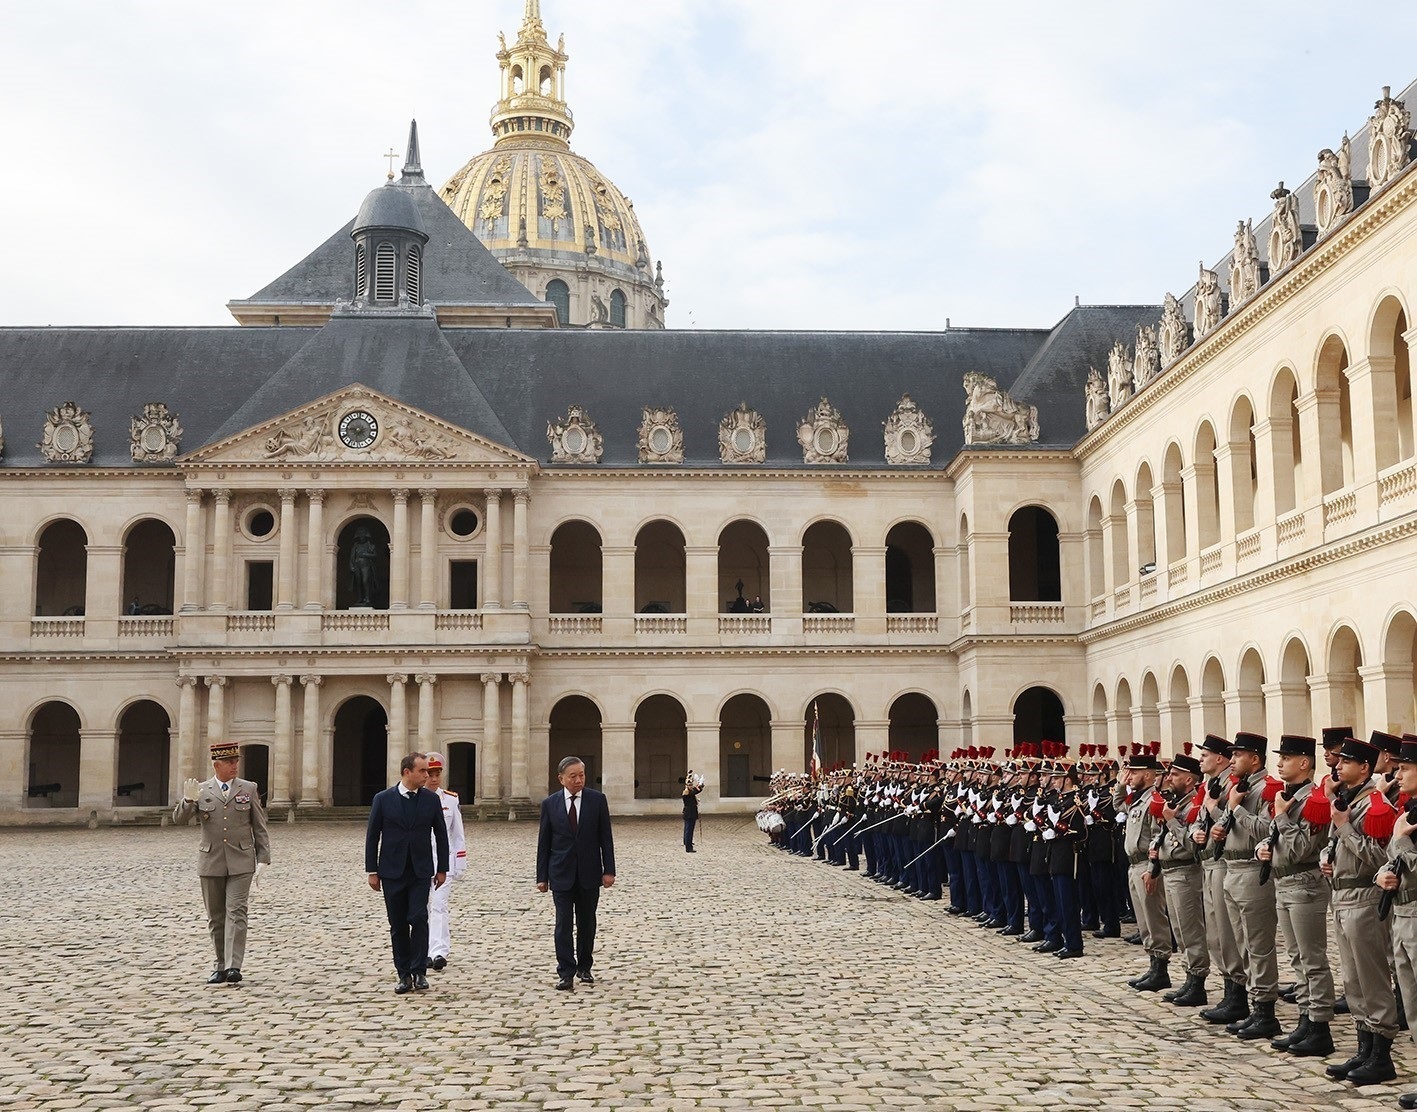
point(1262, 1024)
point(1192, 994)
point(1339, 1072)
point(1159, 979)
point(1239, 1022)
point(1284, 1042)
point(1233, 1006)
point(1137, 982)
point(1379, 1065)
point(1318, 1043)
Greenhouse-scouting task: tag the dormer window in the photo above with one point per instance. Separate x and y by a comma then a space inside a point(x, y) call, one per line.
point(361, 271)
point(384, 269)
point(415, 276)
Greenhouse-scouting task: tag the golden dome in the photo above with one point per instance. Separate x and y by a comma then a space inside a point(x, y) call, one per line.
point(543, 210)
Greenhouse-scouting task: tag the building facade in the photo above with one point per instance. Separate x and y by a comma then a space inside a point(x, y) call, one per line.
point(397, 507)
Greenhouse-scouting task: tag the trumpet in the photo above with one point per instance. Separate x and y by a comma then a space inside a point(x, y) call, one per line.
point(694, 780)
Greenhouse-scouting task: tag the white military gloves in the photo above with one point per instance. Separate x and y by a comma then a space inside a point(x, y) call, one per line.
point(261, 867)
point(191, 789)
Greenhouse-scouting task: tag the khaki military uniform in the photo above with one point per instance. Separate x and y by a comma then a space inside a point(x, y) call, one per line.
point(1185, 896)
point(1220, 935)
point(1403, 921)
point(234, 841)
point(1302, 903)
point(1364, 944)
point(1150, 910)
point(1250, 904)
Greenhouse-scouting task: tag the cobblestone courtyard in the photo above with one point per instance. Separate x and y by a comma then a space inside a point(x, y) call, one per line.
point(737, 977)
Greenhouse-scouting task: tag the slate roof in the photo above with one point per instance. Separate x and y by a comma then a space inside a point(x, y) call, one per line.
point(1055, 379)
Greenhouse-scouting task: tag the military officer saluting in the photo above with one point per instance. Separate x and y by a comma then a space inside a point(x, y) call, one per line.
point(234, 850)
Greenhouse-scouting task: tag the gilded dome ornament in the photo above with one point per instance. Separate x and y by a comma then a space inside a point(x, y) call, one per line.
point(909, 434)
point(823, 435)
point(742, 436)
point(661, 438)
point(156, 435)
point(68, 435)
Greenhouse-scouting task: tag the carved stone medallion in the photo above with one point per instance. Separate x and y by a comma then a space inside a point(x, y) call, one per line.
point(68, 435)
point(1119, 375)
point(1389, 140)
point(661, 438)
point(742, 436)
point(156, 435)
point(1333, 186)
point(1208, 303)
point(1146, 363)
point(1173, 334)
point(1286, 236)
point(575, 439)
point(909, 434)
point(1096, 394)
point(1244, 264)
point(823, 435)
point(992, 417)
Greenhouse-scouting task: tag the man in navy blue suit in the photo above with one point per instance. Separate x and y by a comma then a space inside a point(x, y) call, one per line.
point(575, 859)
point(398, 856)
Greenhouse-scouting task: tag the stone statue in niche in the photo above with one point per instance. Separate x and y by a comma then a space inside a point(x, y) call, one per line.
point(68, 435)
point(992, 417)
point(823, 435)
point(1389, 140)
point(909, 434)
point(1333, 187)
point(742, 436)
point(1119, 376)
point(1096, 394)
point(1286, 237)
point(1208, 303)
point(1244, 264)
point(575, 439)
point(1173, 333)
point(599, 314)
point(1146, 363)
point(363, 568)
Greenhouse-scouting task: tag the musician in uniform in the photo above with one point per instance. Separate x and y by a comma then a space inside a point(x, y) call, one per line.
point(1300, 831)
point(235, 849)
point(693, 784)
point(440, 942)
point(1176, 859)
point(1363, 822)
point(1132, 797)
point(1065, 834)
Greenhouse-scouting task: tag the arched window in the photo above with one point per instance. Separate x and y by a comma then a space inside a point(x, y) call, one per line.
point(1038, 716)
point(1335, 414)
point(576, 566)
point(1286, 448)
point(415, 276)
point(661, 747)
point(1034, 567)
point(744, 572)
point(826, 569)
point(559, 295)
point(61, 577)
point(1244, 474)
point(149, 568)
point(617, 309)
point(744, 747)
point(660, 586)
point(384, 267)
point(910, 569)
point(1207, 488)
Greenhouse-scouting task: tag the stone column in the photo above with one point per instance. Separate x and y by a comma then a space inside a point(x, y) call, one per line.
point(315, 550)
point(1269, 485)
point(14, 781)
point(701, 581)
point(617, 760)
point(98, 769)
point(398, 725)
point(216, 709)
point(427, 733)
point(785, 574)
point(220, 591)
point(873, 735)
point(1372, 390)
point(618, 580)
point(398, 553)
point(1111, 527)
point(787, 744)
point(285, 590)
point(701, 753)
point(1190, 498)
point(521, 734)
point(282, 750)
point(104, 588)
point(521, 549)
point(1226, 482)
point(428, 549)
point(189, 734)
point(490, 782)
point(492, 584)
point(868, 575)
point(310, 795)
point(193, 552)
point(1387, 692)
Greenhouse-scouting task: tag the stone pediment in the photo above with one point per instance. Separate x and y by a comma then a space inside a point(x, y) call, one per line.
point(360, 426)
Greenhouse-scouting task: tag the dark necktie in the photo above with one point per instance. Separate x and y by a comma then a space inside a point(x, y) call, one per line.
point(571, 814)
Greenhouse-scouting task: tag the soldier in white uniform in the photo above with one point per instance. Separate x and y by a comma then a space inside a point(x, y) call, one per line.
point(439, 937)
point(235, 849)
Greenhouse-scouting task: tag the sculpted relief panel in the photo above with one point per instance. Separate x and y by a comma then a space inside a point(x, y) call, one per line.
point(909, 434)
point(1389, 140)
point(356, 433)
point(742, 436)
point(574, 438)
point(156, 435)
point(823, 435)
point(68, 435)
point(992, 417)
point(661, 438)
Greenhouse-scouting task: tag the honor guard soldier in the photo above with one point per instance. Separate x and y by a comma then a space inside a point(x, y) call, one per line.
point(1176, 859)
point(1363, 822)
point(235, 850)
point(1242, 820)
point(439, 936)
point(1225, 956)
point(1132, 798)
point(1291, 851)
point(1398, 880)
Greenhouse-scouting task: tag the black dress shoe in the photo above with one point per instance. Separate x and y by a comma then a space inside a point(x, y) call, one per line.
point(688, 849)
point(439, 963)
point(217, 978)
point(1032, 936)
point(1065, 954)
point(955, 910)
point(420, 981)
point(1011, 932)
point(405, 984)
point(565, 984)
point(584, 976)
point(233, 976)
point(1047, 947)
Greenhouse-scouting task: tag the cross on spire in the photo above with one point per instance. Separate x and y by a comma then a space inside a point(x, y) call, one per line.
point(391, 154)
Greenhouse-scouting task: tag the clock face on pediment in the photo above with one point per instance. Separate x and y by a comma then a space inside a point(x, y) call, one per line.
point(358, 429)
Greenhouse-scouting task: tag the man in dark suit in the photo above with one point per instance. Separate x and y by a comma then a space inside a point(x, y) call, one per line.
point(404, 822)
point(575, 858)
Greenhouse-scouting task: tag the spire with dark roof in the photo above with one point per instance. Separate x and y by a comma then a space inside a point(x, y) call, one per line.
point(412, 163)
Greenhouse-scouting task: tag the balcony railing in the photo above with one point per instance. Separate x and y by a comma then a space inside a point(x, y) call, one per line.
point(250, 623)
point(1210, 560)
point(351, 621)
point(1339, 507)
point(1177, 574)
point(1397, 483)
point(468, 620)
point(145, 627)
point(574, 623)
point(1290, 527)
point(1148, 587)
point(1247, 545)
point(912, 623)
point(1047, 612)
point(744, 623)
point(661, 623)
point(56, 627)
point(828, 623)
point(1099, 607)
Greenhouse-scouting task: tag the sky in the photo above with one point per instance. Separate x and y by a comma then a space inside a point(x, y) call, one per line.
point(796, 164)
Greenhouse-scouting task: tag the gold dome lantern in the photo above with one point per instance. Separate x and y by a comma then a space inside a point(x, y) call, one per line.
point(558, 224)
